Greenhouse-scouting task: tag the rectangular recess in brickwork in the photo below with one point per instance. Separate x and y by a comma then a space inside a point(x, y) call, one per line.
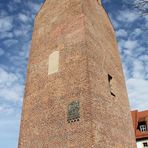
point(53, 64)
point(73, 114)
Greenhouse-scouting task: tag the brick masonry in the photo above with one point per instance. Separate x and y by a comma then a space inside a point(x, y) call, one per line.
point(83, 34)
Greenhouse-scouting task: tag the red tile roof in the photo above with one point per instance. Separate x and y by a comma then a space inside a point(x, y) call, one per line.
point(138, 117)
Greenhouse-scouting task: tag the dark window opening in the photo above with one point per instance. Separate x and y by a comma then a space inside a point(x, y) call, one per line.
point(142, 126)
point(109, 78)
point(112, 94)
point(110, 84)
point(145, 144)
point(73, 112)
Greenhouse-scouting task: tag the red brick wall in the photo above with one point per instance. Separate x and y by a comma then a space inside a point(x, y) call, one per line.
point(83, 34)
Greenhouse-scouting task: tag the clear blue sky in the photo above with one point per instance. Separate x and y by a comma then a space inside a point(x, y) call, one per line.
point(16, 24)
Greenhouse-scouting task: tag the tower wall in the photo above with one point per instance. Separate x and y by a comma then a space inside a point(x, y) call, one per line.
point(71, 105)
point(111, 120)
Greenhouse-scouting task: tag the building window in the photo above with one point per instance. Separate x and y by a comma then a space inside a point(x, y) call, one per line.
point(145, 144)
point(53, 63)
point(142, 126)
point(73, 112)
point(110, 79)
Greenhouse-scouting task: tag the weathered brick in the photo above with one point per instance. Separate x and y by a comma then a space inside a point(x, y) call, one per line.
point(83, 34)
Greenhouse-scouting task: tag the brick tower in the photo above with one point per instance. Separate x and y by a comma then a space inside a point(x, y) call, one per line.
point(75, 93)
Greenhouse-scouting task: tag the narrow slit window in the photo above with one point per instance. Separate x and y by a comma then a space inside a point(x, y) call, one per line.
point(53, 65)
point(110, 80)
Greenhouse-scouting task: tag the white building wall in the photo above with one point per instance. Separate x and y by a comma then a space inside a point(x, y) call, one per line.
point(140, 144)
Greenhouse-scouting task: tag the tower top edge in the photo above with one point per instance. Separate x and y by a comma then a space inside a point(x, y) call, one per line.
point(99, 1)
point(44, 1)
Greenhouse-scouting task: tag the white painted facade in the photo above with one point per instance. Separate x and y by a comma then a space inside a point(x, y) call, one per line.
point(140, 144)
